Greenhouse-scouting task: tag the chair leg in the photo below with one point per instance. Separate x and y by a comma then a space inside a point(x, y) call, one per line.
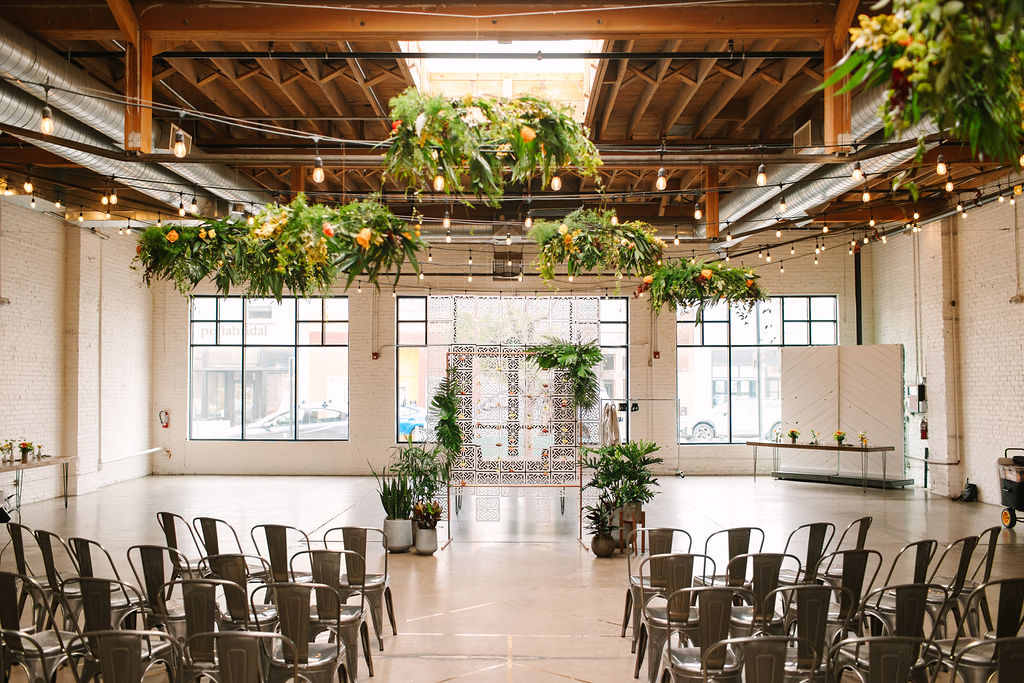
point(364, 632)
point(376, 616)
point(343, 674)
point(389, 602)
point(628, 611)
point(641, 648)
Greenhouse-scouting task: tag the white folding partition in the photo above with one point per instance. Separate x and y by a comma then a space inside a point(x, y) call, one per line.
point(852, 388)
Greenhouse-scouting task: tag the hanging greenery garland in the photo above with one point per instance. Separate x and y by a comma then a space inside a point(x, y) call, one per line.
point(588, 240)
point(445, 407)
point(296, 247)
point(477, 138)
point(577, 361)
point(955, 62)
point(700, 284)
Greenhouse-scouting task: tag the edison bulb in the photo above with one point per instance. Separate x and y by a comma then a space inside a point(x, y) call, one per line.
point(662, 182)
point(762, 175)
point(318, 171)
point(438, 183)
point(179, 148)
point(46, 122)
point(940, 166)
point(556, 183)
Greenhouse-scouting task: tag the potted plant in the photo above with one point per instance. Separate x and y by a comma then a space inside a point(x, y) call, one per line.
point(396, 499)
point(26, 450)
point(601, 519)
point(624, 471)
point(425, 515)
point(840, 436)
point(793, 435)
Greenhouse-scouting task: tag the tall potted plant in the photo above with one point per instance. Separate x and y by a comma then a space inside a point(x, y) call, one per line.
point(623, 470)
point(601, 518)
point(396, 499)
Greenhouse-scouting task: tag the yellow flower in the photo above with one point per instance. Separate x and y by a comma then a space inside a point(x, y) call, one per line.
point(562, 229)
point(211, 233)
point(202, 233)
point(363, 238)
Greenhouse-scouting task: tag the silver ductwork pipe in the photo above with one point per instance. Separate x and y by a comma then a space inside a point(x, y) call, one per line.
point(23, 111)
point(829, 181)
point(864, 121)
point(32, 66)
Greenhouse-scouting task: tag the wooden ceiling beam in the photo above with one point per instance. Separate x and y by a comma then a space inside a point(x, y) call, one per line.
point(356, 71)
point(596, 88)
point(127, 22)
point(767, 91)
point(651, 88)
point(687, 91)
point(302, 102)
point(724, 94)
point(214, 92)
point(332, 92)
point(613, 92)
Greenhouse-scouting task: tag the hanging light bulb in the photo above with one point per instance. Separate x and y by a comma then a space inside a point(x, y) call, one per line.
point(959, 206)
point(194, 207)
point(469, 277)
point(179, 148)
point(181, 205)
point(508, 262)
point(865, 239)
point(519, 277)
point(46, 121)
point(448, 236)
point(883, 238)
point(57, 203)
point(33, 202)
point(865, 196)
point(858, 174)
point(697, 213)
point(159, 221)
point(105, 199)
point(853, 243)
point(318, 170)
point(963, 214)
point(916, 215)
point(792, 249)
point(107, 214)
point(251, 220)
point(815, 260)
point(940, 166)
point(817, 249)
point(421, 275)
point(823, 245)
point(80, 216)
point(782, 204)
point(727, 256)
point(759, 254)
point(120, 231)
point(871, 222)
point(438, 183)
point(782, 268)
point(447, 221)
point(113, 195)
point(778, 233)
point(470, 257)
point(662, 182)
point(615, 218)
point(851, 251)
point(1001, 198)
point(728, 237)
point(571, 278)
point(949, 183)
point(508, 237)
point(359, 287)
point(768, 256)
point(528, 223)
point(675, 240)
point(556, 183)
point(762, 175)
point(28, 185)
point(1013, 200)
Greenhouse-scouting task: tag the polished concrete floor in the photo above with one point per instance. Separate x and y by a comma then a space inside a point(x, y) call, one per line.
point(514, 597)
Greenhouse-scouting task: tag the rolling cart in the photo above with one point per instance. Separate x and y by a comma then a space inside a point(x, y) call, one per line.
point(1011, 485)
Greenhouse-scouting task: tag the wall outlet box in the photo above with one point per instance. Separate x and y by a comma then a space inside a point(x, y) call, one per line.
point(375, 356)
point(657, 355)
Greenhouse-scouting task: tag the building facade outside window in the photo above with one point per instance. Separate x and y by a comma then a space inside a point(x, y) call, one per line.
point(267, 370)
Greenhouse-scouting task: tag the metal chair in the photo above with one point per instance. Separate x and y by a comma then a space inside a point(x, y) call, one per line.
point(660, 615)
point(175, 528)
point(977, 664)
point(987, 539)
point(19, 532)
point(885, 659)
point(154, 567)
point(765, 659)
point(1005, 659)
point(377, 584)
point(349, 620)
point(812, 539)
point(87, 554)
point(39, 651)
point(860, 568)
point(71, 603)
point(121, 656)
point(962, 550)
point(806, 606)
point(689, 660)
point(237, 568)
point(657, 541)
point(304, 606)
point(242, 656)
point(857, 532)
point(276, 545)
point(105, 603)
point(762, 579)
point(739, 542)
point(212, 533)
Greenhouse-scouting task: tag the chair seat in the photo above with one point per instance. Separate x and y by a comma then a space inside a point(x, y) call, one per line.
point(744, 616)
point(321, 655)
point(657, 617)
point(978, 656)
point(52, 643)
point(265, 613)
point(688, 659)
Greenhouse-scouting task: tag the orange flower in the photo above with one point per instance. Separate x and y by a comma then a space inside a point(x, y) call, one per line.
point(648, 279)
point(396, 124)
point(706, 273)
point(750, 283)
point(172, 236)
point(363, 238)
point(138, 249)
point(527, 133)
point(328, 230)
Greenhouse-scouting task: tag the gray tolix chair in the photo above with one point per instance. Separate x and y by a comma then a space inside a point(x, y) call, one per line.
point(244, 657)
point(27, 642)
point(807, 541)
point(647, 542)
point(373, 578)
point(886, 659)
point(763, 659)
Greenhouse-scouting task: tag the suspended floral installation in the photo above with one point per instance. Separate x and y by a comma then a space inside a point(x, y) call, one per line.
point(440, 141)
point(592, 239)
point(701, 284)
point(577, 361)
point(957, 63)
point(296, 247)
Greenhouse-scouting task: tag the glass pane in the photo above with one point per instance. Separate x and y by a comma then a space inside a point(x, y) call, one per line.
point(412, 334)
point(795, 333)
point(269, 378)
point(269, 322)
point(716, 334)
point(744, 326)
point(613, 334)
point(823, 333)
point(613, 382)
point(614, 310)
point(823, 308)
point(216, 393)
point(769, 326)
point(703, 393)
point(686, 313)
point(311, 334)
point(412, 308)
point(204, 333)
point(687, 333)
point(716, 312)
point(754, 414)
point(204, 308)
point(323, 393)
point(310, 309)
point(230, 308)
point(336, 334)
point(229, 333)
point(770, 375)
point(412, 393)
point(336, 309)
point(794, 308)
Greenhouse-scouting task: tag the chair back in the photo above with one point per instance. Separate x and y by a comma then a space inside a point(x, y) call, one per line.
point(16, 591)
point(209, 530)
point(175, 528)
point(240, 654)
point(1006, 663)
point(810, 603)
point(676, 571)
point(655, 541)
point(764, 577)
point(763, 658)
point(920, 553)
point(963, 549)
point(154, 567)
point(46, 541)
point(234, 568)
point(738, 540)
point(860, 569)
point(293, 609)
point(275, 546)
point(119, 654)
point(909, 607)
point(19, 532)
point(818, 535)
point(86, 552)
point(373, 558)
point(988, 539)
point(199, 600)
point(325, 570)
point(714, 613)
point(97, 600)
point(1009, 609)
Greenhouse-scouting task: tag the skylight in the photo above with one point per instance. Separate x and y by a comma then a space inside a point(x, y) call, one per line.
point(568, 81)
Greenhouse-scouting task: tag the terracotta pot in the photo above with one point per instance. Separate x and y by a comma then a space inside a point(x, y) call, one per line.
point(399, 533)
point(426, 541)
point(603, 545)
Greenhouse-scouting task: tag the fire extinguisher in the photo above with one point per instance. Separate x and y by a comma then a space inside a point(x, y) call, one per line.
point(924, 429)
point(165, 419)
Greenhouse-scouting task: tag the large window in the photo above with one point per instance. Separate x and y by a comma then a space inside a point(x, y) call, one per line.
point(427, 326)
point(728, 364)
point(268, 370)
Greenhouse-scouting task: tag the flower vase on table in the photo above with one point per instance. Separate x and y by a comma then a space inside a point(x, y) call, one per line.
point(25, 447)
point(840, 437)
point(793, 435)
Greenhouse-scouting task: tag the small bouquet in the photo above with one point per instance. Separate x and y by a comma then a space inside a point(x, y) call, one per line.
point(26, 448)
point(793, 435)
point(814, 438)
point(840, 436)
point(863, 436)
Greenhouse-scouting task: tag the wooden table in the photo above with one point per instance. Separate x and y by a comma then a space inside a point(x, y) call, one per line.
point(45, 461)
point(838, 478)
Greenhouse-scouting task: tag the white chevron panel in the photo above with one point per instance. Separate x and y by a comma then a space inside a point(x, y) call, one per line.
point(810, 400)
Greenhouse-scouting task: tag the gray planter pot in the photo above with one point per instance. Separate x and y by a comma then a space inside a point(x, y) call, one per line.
point(426, 541)
point(603, 545)
point(399, 533)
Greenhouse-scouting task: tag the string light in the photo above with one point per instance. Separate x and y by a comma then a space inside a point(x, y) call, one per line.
point(675, 240)
point(768, 256)
point(422, 275)
point(759, 254)
point(778, 232)
point(113, 195)
point(865, 195)
point(33, 202)
point(871, 222)
point(359, 287)
point(959, 206)
point(57, 203)
point(508, 262)
point(615, 218)
point(508, 237)
point(697, 213)
point(159, 221)
point(1013, 200)
point(107, 214)
point(726, 256)
point(858, 174)
point(817, 249)
point(662, 181)
point(194, 207)
point(949, 183)
point(519, 277)
point(469, 277)
point(792, 249)
point(318, 170)
point(916, 215)
point(179, 148)
point(181, 205)
point(940, 166)
point(470, 257)
point(571, 278)
point(430, 256)
point(883, 238)
point(81, 217)
point(250, 219)
point(438, 183)
point(528, 223)
point(105, 199)
point(447, 221)
point(823, 244)
point(865, 239)
point(782, 202)
point(782, 268)
point(28, 185)
point(46, 120)
point(556, 183)
point(762, 175)
point(815, 260)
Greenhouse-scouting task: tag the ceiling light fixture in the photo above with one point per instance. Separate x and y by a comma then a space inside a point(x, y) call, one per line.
point(46, 117)
point(556, 183)
point(181, 204)
point(949, 183)
point(179, 148)
point(662, 181)
point(81, 217)
point(857, 174)
point(940, 166)
point(762, 175)
point(697, 213)
point(438, 183)
point(528, 222)
point(28, 185)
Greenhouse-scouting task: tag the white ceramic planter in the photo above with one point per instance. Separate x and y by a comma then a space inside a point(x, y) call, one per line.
point(426, 541)
point(399, 533)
